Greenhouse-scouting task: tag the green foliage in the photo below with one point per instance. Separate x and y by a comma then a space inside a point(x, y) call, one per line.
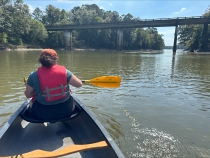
point(18, 26)
point(15, 40)
point(3, 38)
point(196, 37)
point(52, 15)
point(4, 2)
point(127, 18)
point(55, 40)
point(1, 19)
point(98, 19)
point(37, 34)
point(193, 37)
point(37, 14)
point(19, 41)
point(207, 12)
point(16, 21)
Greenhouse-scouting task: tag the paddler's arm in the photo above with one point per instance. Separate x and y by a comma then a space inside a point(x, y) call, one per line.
point(74, 81)
point(29, 92)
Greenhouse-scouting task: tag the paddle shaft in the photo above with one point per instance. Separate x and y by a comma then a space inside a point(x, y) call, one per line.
point(102, 81)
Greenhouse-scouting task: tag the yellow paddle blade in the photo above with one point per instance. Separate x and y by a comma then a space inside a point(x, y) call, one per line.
point(106, 85)
point(104, 79)
point(61, 152)
point(25, 80)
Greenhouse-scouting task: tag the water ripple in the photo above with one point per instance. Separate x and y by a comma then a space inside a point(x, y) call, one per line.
point(161, 108)
point(151, 142)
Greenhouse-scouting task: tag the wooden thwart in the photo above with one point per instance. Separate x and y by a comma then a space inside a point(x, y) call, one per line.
point(62, 152)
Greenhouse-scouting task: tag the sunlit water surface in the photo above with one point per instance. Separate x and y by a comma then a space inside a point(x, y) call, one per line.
point(160, 110)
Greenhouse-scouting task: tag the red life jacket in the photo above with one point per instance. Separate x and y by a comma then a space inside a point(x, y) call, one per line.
point(53, 82)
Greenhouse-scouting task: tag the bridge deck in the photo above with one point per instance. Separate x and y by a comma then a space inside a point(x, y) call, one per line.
point(134, 24)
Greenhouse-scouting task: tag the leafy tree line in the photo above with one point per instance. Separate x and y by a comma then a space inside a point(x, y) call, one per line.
point(18, 26)
point(194, 37)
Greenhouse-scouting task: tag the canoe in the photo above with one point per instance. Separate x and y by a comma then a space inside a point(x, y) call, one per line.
point(79, 136)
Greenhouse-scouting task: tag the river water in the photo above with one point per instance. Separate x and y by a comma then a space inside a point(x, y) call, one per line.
point(161, 108)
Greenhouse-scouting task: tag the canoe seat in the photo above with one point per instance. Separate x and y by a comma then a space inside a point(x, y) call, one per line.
point(28, 116)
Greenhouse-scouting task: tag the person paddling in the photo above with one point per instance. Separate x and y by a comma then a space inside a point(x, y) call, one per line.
point(49, 87)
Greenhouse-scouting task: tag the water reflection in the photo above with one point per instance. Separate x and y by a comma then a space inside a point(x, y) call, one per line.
point(172, 66)
point(194, 69)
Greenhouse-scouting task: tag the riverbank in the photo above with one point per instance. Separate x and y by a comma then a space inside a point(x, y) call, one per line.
point(142, 51)
point(28, 49)
point(196, 51)
point(9, 47)
point(22, 49)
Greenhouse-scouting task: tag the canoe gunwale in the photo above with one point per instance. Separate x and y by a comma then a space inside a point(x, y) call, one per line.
point(13, 117)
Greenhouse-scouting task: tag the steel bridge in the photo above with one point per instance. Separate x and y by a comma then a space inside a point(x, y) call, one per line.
point(162, 22)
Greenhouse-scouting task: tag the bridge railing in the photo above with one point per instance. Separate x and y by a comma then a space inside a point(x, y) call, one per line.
point(134, 21)
point(193, 17)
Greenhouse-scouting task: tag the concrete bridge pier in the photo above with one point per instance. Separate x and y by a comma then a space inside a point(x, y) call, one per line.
point(204, 37)
point(68, 39)
point(175, 40)
point(119, 39)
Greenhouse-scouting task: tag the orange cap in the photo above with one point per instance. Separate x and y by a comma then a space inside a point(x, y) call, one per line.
point(50, 52)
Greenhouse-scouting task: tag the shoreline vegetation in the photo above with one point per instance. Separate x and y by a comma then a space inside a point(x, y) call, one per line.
point(20, 29)
point(15, 47)
point(25, 48)
point(9, 47)
point(31, 48)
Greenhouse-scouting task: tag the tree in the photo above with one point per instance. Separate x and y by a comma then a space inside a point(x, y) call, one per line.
point(140, 36)
point(1, 19)
point(185, 33)
point(3, 37)
point(21, 22)
point(17, 25)
point(84, 16)
point(52, 15)
point(194, 36)
point(128, 38)
point(37, 34)
point(37, 14)
point(4, 2)
point(111, 16)
point(55, 39)
point(191, 36)
point(16, 20)
point(6, 18)
point(127, 18)
point(207, 12)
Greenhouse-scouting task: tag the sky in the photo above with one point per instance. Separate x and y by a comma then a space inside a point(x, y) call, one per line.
point(144, 9)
